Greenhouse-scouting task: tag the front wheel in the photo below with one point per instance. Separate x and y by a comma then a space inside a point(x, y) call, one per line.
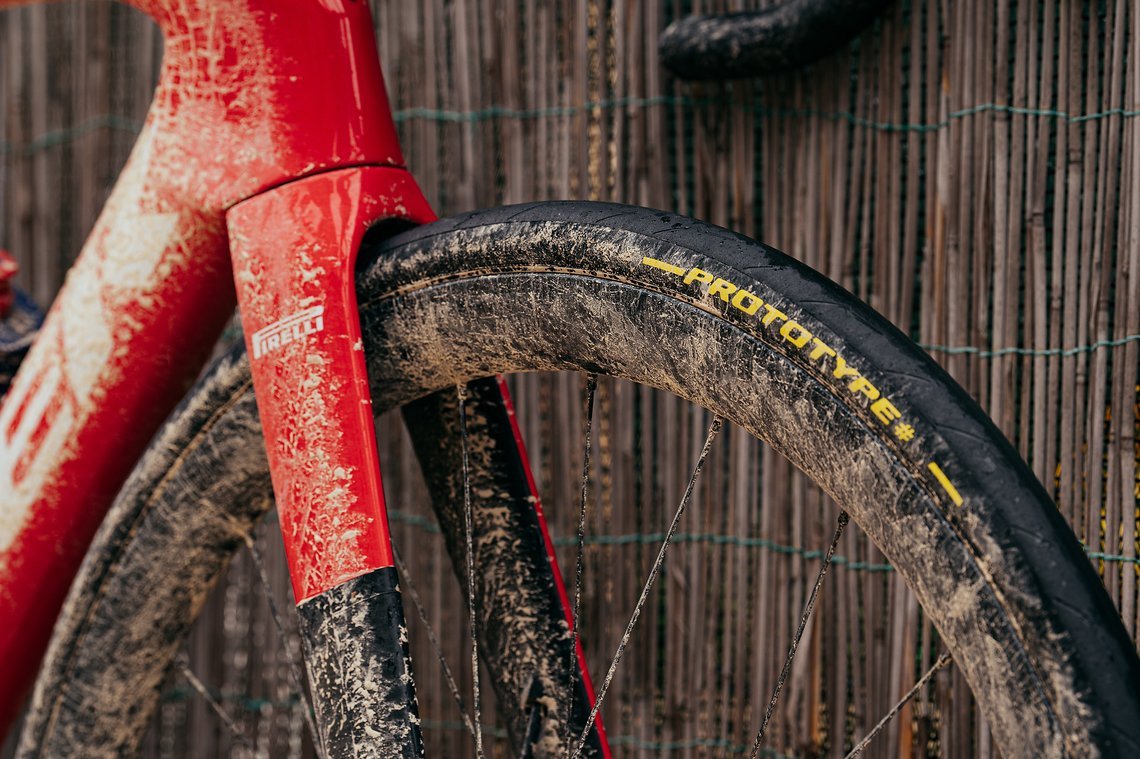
point(664, 301)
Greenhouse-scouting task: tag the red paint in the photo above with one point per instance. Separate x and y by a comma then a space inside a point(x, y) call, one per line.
point(109, 364)
point(567, 608)
point(294, 253)
point(258, 92)
point(8, 270)
point(254, 94)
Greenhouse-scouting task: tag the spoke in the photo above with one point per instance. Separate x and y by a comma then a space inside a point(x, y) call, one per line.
point(531, 697)
point(808, 608)
point(203, 691)
point(415, 596)
point(470, 530)
point(288, 640)
point(943, 660)
point(572, 665)
point(714, 428)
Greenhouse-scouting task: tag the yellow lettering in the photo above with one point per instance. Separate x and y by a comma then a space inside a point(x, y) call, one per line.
point(663, 266)
point(944, 481)
point(754, 302)
point(843, 370)
point(722, 287)
point(772, 315)
point(799, 340)
point(862, 385)
point(698, 275)
point(885, 411)
point(820, 350)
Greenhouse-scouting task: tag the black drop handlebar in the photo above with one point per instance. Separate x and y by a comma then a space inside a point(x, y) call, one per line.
point(753, 43)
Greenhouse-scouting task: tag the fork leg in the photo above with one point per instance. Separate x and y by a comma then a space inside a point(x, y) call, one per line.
point(516, 560)
point(359, 669)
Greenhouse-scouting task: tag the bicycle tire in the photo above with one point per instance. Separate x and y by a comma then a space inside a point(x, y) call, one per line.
point(602, 288)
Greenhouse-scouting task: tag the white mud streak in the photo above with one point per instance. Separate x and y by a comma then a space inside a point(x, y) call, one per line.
point(92, 340)
point(158, 240)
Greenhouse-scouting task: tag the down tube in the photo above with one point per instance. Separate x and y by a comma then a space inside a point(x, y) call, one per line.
point(122, 343)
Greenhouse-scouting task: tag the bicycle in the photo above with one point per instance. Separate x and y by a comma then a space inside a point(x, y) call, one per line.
point(608, 289)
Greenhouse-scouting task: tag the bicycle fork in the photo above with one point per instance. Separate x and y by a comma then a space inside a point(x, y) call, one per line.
point(294, 254)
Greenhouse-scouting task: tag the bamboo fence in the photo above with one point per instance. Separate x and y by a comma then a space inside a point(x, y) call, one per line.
point(970, 169)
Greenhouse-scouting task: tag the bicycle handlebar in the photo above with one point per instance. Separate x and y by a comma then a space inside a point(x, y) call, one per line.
point(753, 43)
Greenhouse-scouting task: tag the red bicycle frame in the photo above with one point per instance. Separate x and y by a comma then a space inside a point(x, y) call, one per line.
point(268, 152)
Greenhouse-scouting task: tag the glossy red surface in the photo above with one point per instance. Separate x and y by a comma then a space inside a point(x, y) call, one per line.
point(254, 94)
point(257, 92)
point(294, 253)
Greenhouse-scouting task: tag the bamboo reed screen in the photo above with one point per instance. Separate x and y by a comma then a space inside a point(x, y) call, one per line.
point(971, 170)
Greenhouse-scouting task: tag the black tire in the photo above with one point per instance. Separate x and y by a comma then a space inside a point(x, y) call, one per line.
point(781, 37)
point(566, 286)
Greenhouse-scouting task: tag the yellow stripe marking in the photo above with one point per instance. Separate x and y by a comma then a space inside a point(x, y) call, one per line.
point(944, 481)
point(663, 266)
